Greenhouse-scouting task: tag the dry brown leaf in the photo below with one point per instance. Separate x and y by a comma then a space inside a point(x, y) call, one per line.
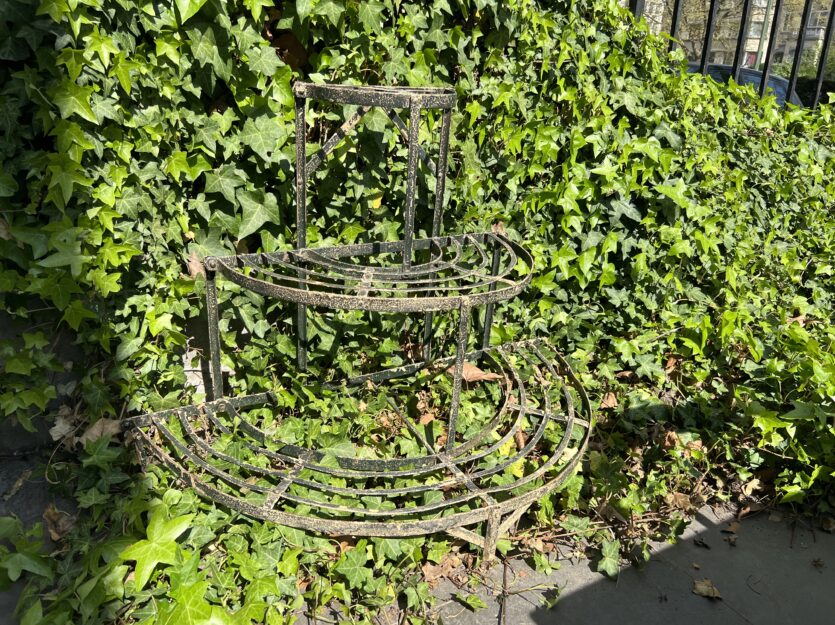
point(498, 228)
point(427, 418)
point(62, 428)
point(749, 509)
point(671, 364)
point(750, 487)
point(102, 427)
point(624, 374)
point(19, 482)
point(58, 522)
point(610, 400)
point(4, 230)
point(680, 501)
point(828, 524)
point(697, 566)
point(434, 572)
point(733, 526)
point(799, 320)
point(195, 266)
point(521, 439)
point(706, 588)
point(670, 440)
point(471, 373)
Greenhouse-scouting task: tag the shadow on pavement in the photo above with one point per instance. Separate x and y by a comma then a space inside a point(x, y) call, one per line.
point(779, 572)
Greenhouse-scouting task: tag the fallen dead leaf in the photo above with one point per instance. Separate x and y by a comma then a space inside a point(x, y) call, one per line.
point(749, 509)
point(521, 439)
point(426, 418)
point(610, 400)
point(62, 428)
point(700, 542)
point(731, 539)
point(697, 566)
point(671, 364)
point(732, 527)
point(799, 320)
point(434, 572)
point(775, 516)
point(498, 228)
point(624, 374)
point(58, 522)
point(471, 373)
point(828, 524)
point(670, 440)
point(706, 588)
point(102, 427)
point(19, 482)
point(679, 501)
point(195, 266)
point(752, 486)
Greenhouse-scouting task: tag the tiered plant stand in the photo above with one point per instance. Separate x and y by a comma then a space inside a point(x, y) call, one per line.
point(473, 482)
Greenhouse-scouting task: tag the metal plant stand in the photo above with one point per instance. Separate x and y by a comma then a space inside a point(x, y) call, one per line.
point(474, 483)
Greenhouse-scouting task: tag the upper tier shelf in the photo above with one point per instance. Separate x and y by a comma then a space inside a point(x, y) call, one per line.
point(388, 97)
point(479, 268)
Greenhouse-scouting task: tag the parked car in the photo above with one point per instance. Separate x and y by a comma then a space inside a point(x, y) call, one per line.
point(747, 76)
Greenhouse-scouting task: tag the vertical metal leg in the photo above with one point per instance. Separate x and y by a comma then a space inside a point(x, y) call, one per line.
point(301, 223)
point(491, 537)
point(488, 312)
point(214, 331)
point(437, 217)
point(411, 183)
point(458, 374)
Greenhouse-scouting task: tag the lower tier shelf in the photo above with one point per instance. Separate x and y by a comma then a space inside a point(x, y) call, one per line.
point(521, 438)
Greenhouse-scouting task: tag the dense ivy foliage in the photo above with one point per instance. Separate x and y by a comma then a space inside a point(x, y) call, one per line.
point(683, 233)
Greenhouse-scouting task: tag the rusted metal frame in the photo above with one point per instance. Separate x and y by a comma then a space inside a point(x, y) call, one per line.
point(741, 37)
point(411, 184)
point(488, 311)
point(213, 323)
point(458, 373)
point(798, 51)
point(772, 46)
point(317, 159)
point(404, 133)
point(437, 217)
point(827, 42)
point(400, 528)
point(674, 23)
point(301, 223)
point(368, 278)
point(382, 96)
point(711, 26)
point(393, 304)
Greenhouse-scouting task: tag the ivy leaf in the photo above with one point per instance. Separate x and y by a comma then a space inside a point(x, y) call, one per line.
point(263, 135)
point(370, 15)
point(188, 8)
point(610, 558)
point(190, 605)
point(676, 192)
point(330, 9)
point(263, 60)
point(224, 180)
point(303, 8)
point(20, 561)
point(352, 566)
point(159, 548)
point(72, 98)
point(258, 208)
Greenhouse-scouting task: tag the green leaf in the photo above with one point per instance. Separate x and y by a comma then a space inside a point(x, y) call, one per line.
point(188, 8)
point(610, 558)
point(190, 606)
point(159, 548)
point(73, 99)
point(264, 60)
point(473, 602)
point(352, 566)
point(18, 562)
point(224, 180)
point(303, 8)
point(19, 363)
point(370, 13)
point(331, 9)
point(258, 208)
point(263, 135)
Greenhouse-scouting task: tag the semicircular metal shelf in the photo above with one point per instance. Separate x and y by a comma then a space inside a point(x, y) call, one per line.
point(484, 268)
point(527, 449)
